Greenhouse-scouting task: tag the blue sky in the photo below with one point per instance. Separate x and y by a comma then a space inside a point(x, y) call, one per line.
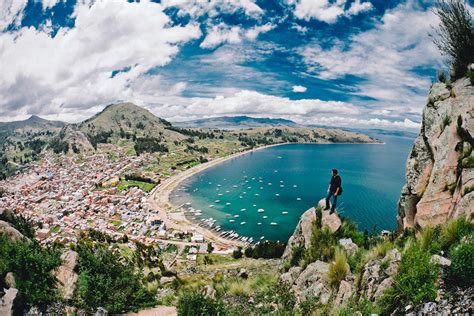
point(365, 63)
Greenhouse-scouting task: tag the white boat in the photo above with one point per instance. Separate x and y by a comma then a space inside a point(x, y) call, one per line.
point(228, 203)
point(237, 215)
point(273, 223)
point(211, 206)
point(259, 223)
point(231, 220)
point(243, 223)
point(265, 217)
point(277, 194)
point(261, 238)
point(217, 201)
point(298, 199)
point(256, 194)
point(220, 194)
point(243, 209)
point(261, 210)
point(284, 213)
point(295, 186)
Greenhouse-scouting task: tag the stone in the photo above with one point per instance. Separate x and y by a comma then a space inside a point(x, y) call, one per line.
point(291, 275)
point(243, 274)
point(155, 311)
point(442, 261)
point(209, 291)
point(10, 280)
point(344, 293)
point(348, 245)
point(167, 280)
point(9, 302)
point(312, 283)
point(10, 232)
point(66, 275)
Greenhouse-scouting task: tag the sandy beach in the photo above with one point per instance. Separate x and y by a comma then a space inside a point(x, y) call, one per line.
point(174, 216)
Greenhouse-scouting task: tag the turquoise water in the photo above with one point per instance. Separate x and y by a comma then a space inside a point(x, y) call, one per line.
point(292, 178)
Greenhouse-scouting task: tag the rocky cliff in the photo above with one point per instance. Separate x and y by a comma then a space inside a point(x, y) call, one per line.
point(440, 168)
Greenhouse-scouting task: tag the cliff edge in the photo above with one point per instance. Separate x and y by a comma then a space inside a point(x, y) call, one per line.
point(440, 169)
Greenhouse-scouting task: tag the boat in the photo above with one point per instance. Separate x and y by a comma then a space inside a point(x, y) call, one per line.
point(217, 201)
point(284, 213)
point(273, 223)
point(231, 220)
point(298, 199)
point(261, 210)
point(236, 215)
point(265, 217)
point(243, 209)
point(277, 194)
point(228, 203)
point(243, 223)
point(259, 223)
point(212, 205)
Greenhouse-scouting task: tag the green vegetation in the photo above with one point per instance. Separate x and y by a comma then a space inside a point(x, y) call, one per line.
point(414, 282)
point(126, 184)
point(441, 75)
point(338, 269)
point(20, 223)
point(462, 265)
point(106, 280)
point(59, 146)
point(195, 303)
point(446, 121)
point(32, 266)
point(149, 144)
point(266, 250)
point(455, 35)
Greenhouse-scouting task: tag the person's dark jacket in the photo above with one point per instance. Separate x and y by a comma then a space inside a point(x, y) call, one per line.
point(335, 183)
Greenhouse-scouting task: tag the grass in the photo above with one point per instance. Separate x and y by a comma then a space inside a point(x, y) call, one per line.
point(56, 229)
point(338, 269)
point(144, 186)
point(116, 222)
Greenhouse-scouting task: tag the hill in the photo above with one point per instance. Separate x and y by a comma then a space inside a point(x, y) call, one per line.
point(236, 122)
point(32, 123)
point(127, 118)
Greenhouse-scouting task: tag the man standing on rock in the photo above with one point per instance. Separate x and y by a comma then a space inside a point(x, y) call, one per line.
point(335, 189)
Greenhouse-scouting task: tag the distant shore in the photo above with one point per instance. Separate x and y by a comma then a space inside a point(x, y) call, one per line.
point(174, 215)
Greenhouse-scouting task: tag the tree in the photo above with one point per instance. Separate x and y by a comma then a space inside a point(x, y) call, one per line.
point(210, 248)
point(455, 35)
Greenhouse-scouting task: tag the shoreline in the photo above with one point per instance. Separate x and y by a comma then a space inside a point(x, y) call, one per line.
point(174, 216)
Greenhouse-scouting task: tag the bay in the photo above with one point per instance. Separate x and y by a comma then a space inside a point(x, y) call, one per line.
point(262, 194)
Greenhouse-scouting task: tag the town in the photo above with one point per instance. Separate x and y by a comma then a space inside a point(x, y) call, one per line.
point(69, 194)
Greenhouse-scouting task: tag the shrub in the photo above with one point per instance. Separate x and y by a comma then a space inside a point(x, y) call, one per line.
point(462, 263)
point(428, 239)
point(237, 254)
point(319, 217)
point(446, 121)
point(455, 36)
point(298, 253)
point(106, 280)
point(32, 266)
point(322, 245)
point(453, 231)
point(338, 269)
point(248, 252)
point(20, 223)
point(414, 281)
point(192, 303)
point(268, 249)
point(441, 75)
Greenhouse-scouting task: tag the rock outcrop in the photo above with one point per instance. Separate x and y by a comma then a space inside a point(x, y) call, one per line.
point(440, 168)
point(76, 139)
point(10, 232)
point(302, 234)
point(66, 275)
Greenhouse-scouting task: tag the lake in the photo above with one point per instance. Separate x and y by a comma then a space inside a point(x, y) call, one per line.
point(263, 194)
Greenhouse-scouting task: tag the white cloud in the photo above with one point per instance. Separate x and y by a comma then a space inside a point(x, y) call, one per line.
point(360, 122)
point(384, 57)
point(45, 75)
point(326, 10)
point(11, 12)
point(299, 89)
point(219, 34)
point(197, 8)
point(254, 32)
point(49, 3)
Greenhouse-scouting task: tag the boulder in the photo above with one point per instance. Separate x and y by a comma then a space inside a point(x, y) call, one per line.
point(344, 293)
point(442, 261)
point(376, 278)
point(348, 245)
point(10, 280)
point(167, 280)
point(9, 302)
point(291, 275)
point(10, 232)
point(66, 275)
point(243, 273)
point(312, 283)
point(209, 291)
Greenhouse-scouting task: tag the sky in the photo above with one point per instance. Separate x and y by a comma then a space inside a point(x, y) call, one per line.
point(345, 63)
